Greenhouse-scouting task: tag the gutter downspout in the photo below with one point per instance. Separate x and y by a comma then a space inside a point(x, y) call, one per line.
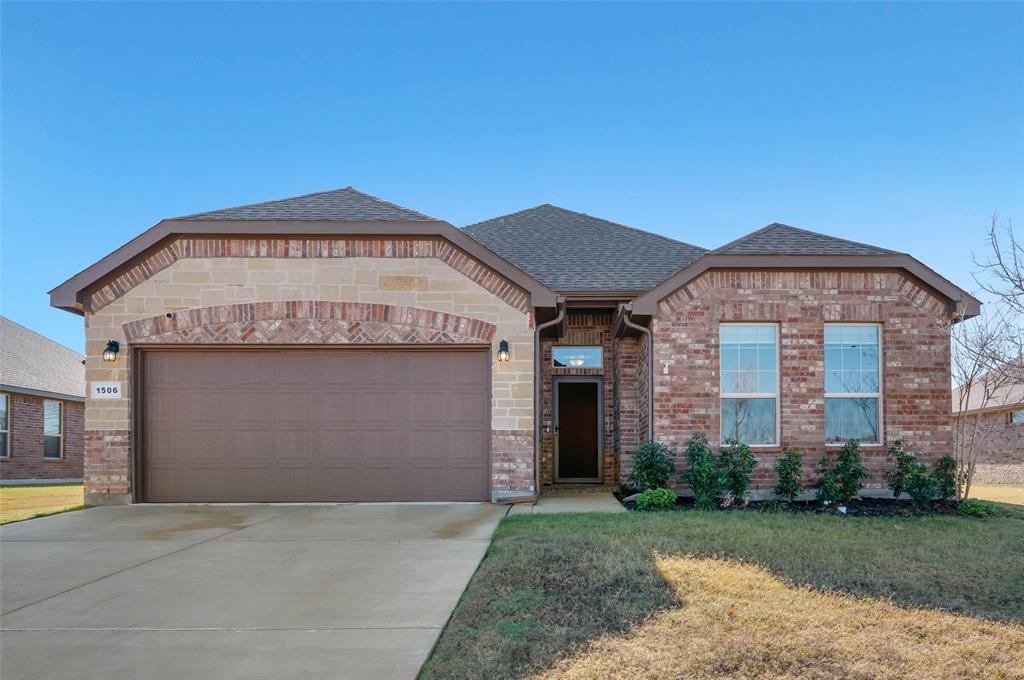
point(538, 381)
point(650, 368)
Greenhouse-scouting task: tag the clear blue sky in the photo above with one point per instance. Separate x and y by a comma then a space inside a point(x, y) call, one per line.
point(900, 125)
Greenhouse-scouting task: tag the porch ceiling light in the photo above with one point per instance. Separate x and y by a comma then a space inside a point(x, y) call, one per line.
point(576, 360)
point(503, 353)
point(110, 353)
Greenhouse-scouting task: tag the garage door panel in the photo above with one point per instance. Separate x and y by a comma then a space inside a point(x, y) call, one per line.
point(327, 425)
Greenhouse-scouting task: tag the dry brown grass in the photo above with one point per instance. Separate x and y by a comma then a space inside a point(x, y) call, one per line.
point(737, 620)
point(25, 502)
point(1000, 493)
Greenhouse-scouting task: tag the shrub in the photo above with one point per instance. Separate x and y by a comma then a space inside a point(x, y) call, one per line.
point(702, 473)
point(652, 466)
point(905, 463)
point(972, 507)
point(840, 482)
point(921, 486)
point(789, 467)
point(770, 505)
point(656, 499)
point(735, 463)
point(945, 477)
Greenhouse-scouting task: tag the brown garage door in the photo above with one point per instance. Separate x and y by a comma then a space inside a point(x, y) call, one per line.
point(315, 425)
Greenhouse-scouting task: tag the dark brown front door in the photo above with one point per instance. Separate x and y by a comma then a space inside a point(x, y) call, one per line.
point(315, 425)
point(578, 423)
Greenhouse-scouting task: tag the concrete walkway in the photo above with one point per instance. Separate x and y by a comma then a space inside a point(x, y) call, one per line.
point(570, 502)
point(249, 592)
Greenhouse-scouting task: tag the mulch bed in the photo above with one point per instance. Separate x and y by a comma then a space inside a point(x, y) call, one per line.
point(859, 507)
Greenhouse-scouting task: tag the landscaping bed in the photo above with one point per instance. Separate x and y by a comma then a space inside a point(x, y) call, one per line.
point(858, 507)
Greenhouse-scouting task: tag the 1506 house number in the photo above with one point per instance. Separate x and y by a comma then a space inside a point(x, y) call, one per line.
point(105, 390)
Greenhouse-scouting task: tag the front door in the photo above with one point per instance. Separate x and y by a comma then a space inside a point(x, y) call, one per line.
point(577, 429)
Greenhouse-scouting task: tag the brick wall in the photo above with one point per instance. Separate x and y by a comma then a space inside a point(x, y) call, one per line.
point(308, 291)
point(26, 446)
point(915, 348)
point(1001, 455)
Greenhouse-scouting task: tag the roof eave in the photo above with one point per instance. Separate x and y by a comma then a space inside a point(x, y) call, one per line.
point(962, 304)
point(67, 296)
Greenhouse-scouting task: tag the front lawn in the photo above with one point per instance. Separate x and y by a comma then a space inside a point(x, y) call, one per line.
point(730, 594)
point(25, 502)
point(1000, 493)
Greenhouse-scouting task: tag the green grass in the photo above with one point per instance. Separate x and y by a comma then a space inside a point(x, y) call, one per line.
point(28, 502)
point(551, 583)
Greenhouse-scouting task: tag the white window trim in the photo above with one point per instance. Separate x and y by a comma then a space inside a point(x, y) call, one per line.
point(754, 395)
point(880, 416)
point(6, 453)
point(599, 348)
point(60, 450)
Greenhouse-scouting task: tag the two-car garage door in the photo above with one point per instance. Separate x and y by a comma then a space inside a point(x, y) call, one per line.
point(315, 425)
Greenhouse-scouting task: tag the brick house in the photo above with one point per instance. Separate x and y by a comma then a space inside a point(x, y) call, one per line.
point(42, 407)
point(335, 347)
point(995, 417)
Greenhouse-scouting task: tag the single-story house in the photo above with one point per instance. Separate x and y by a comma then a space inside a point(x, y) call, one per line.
point(338, 347)
point(990, 414)
point(42, 407)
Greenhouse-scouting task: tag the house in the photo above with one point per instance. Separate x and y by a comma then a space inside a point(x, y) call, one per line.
point(335, 346)
point(990, 413)
point(42, 407)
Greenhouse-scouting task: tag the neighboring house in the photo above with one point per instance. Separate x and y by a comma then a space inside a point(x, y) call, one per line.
point(42, 407)
point(993, 415)
point(335, 347)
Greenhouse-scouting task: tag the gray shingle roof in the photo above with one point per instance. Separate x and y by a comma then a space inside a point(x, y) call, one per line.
point(32, 362)
point(782, 239)
point(348, 204)
point(572, 251)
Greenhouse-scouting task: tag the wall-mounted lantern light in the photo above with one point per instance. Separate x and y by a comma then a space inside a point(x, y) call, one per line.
point(110, 353)
point(503, 353)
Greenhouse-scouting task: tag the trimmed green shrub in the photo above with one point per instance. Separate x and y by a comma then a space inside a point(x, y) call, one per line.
point(656, 499)
point(972, 507)
point(652, 466)
point(790, 468)
point(921, 486)
point(770, 505)
point(905, 464)
point(945, 477)
point(735, 463)
point(702, 473)
point(840, 482)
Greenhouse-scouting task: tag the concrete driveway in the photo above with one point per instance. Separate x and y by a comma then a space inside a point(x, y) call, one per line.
point(244, 591)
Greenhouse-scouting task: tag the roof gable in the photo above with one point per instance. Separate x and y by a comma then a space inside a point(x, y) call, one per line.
point(345, 204)
point(32, 363)
point(571, 251)
point(782, 239)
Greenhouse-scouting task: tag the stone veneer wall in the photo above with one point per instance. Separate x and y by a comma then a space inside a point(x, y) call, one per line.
point(217, 290)
point(915, 347)
point(1001, 458)
point(25, 450)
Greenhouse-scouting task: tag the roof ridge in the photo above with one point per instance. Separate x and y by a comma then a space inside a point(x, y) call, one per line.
point(775, 225)
point(593, 217)
point(37, 333)
point(744, 237)
point(385, 201)
point(258, 203)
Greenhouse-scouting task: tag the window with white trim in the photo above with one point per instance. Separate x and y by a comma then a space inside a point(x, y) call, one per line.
point(749, 383)
point(5, 426)
point(853, 383)
point(53, 429)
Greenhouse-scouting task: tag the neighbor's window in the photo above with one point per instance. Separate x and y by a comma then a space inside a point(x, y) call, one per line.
point(5, 428)
point(1017, 417)
point(749, 358)
point(576, 357)
point(52, 428)
point(852, 383)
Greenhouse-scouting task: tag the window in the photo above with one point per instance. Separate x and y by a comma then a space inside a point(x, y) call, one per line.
point(576, 357)
point(52, 429)
point(5, 427)
point(749, 359)
point(852, 383)
point(1017, 417)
